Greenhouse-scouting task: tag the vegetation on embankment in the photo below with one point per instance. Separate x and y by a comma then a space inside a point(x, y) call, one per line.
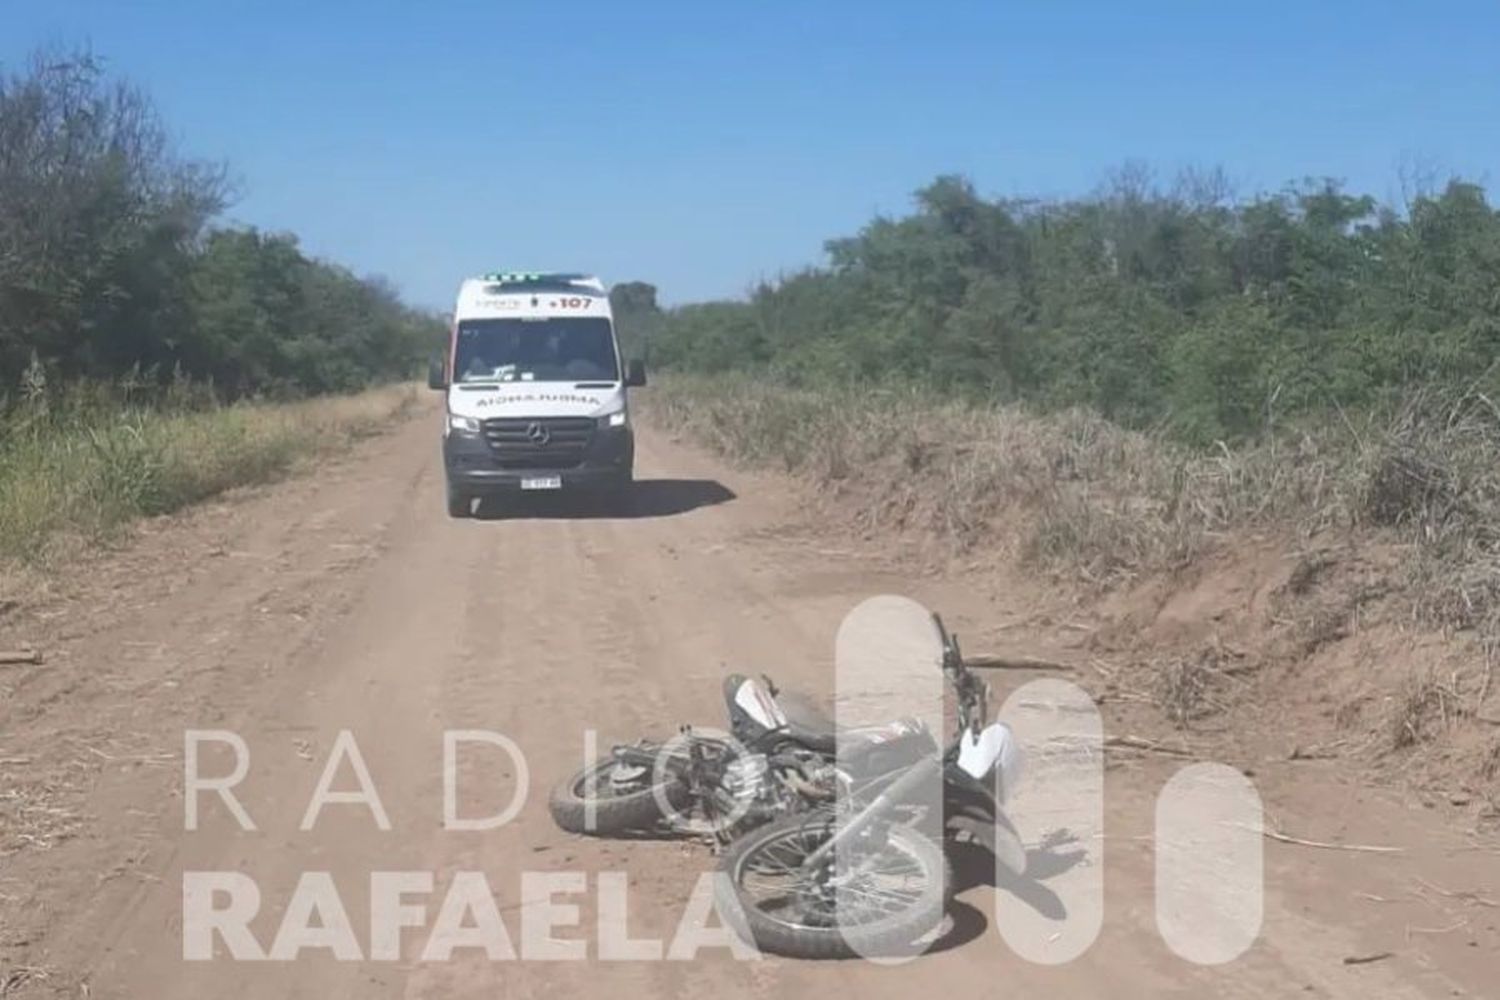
point(80, 465)
point(1109, 503)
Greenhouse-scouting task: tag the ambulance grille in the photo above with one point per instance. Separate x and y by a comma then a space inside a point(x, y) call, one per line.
point(539, 442)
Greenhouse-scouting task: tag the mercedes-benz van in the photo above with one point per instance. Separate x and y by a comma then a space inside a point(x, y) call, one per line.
point(535, 388)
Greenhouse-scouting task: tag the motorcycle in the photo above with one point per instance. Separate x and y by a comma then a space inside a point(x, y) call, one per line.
point(865, 875)
point(829, 849)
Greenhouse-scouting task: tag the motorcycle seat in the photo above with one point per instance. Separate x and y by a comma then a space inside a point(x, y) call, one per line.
point(811, 726)
point(807, 723)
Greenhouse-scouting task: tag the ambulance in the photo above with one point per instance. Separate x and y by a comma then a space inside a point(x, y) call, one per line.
point(535, 389)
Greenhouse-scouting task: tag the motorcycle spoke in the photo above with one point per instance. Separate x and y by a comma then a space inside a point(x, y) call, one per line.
point(896, 900)
point(601, 785)
point(862, 887)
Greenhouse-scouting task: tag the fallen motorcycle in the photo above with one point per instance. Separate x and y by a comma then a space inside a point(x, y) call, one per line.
point(831, 851)
point(866, 875)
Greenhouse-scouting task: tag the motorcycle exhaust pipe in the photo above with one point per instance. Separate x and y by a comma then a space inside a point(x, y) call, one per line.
point(805, 788)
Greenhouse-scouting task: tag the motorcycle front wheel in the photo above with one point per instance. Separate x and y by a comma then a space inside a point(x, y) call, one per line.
point(889, 888)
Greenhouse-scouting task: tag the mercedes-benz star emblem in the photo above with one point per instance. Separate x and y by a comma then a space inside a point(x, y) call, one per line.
point(537, 434)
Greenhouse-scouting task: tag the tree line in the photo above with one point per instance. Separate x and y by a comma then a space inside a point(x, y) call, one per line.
point(1155, 304)
point(112, 260)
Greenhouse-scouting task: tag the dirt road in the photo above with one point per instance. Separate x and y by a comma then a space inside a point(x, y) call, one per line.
point(350, 602)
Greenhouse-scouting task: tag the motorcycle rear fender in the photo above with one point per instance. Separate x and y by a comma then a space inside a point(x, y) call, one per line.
point(640, 755)
point(969, 805)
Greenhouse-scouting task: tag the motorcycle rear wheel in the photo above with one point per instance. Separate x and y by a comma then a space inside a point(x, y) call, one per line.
point(617, 805)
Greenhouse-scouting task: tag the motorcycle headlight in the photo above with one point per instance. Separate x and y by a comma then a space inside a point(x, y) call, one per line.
point(619, 418)
point(466, 425)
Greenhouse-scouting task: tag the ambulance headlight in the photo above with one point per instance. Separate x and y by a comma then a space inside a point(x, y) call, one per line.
point(464, 425)
point(619, 418)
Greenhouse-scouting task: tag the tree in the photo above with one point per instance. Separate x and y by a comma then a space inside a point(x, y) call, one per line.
point(1148, 304)
point(97, 218)
point(109, 264)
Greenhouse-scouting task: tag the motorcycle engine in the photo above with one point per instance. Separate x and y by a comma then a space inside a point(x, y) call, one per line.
point(751, 787)
point(745, 778)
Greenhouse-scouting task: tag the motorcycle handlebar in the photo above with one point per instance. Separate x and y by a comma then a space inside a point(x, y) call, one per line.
point(973, 693)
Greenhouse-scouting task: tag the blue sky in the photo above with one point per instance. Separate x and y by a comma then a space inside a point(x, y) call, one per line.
point(704, 145)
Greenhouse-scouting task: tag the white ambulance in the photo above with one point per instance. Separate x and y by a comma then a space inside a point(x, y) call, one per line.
point(535, 389)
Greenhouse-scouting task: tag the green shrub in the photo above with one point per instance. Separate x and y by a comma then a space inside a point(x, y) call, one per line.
point(1175, 307)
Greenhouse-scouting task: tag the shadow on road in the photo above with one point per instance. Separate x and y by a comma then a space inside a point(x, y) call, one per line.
point(974, 866)
point(646, 498)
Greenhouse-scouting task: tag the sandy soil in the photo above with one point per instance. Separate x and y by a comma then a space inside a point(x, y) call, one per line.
point(349, 601)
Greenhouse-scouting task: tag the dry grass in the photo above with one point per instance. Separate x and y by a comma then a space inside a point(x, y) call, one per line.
point(1490, 766)
point(32, 816)
point(1426, 705)
point(1435, 478)
point(1183, 690)
point(14, 978)
point(1194, 686)
point(1090, 495)
point(86, 474)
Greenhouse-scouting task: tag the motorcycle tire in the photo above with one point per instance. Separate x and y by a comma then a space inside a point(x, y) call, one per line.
point(615, 813)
